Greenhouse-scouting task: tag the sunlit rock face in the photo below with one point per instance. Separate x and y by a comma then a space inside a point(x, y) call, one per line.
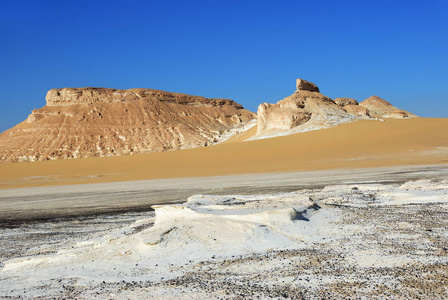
point(92, 122)
point(344, 101)
point(383, 109)
point(308, 109)
point(303, 85)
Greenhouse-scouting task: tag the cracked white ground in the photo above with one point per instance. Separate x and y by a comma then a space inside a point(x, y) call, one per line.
point(362, 239)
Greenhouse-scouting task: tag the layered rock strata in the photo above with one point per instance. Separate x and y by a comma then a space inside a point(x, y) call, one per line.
point(92, 122)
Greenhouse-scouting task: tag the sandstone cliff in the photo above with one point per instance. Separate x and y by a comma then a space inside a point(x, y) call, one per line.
point(90, 122)
point(307, 109)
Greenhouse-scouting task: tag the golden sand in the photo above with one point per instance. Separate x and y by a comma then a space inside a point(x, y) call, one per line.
point(361, 144)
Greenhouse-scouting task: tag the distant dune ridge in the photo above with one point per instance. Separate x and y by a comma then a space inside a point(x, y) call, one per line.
point(96, 122)
point(308, 109)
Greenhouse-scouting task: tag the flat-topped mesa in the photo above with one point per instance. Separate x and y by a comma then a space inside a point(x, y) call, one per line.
point(95, 122)
point(91, 95)
point(303, 85)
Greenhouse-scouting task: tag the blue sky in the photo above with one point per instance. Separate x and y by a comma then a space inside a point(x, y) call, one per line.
point(248, 51)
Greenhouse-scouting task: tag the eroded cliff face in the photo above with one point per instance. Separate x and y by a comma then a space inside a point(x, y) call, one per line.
point(308, 109)
point(92, 122)
point(70, 96)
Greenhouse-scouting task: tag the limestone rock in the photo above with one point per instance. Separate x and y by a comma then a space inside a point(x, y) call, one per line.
point(399, 114)
point(271, 116)
point(303, 85)
point(91, 122)
point(357, 110)
point(306, 109)
point(380, 108)
point(345, 101)
point(69, 96)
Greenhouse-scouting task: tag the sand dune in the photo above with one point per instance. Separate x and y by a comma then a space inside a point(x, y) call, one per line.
point(361, 144)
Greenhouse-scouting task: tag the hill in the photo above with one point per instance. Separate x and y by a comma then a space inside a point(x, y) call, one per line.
point(98, 122)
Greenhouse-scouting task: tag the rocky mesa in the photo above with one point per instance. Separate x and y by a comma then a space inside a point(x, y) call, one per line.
point(308, 109)
point(91, 122)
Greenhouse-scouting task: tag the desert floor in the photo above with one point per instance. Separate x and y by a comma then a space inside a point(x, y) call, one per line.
point(21, 205)
point(380, 238)
point(76, 228)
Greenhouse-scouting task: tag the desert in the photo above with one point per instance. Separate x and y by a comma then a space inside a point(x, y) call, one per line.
point(373, 238)
point(336, 205)
point(330, 138)
point(365, 143)
point(223, 150)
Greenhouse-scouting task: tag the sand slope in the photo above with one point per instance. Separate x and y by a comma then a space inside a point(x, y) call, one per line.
point(361, 144)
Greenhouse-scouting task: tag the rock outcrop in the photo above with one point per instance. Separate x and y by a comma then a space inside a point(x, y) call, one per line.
point(70, 96)
point(307, 109)
point(357, 110)
point(352, 107)
point(343, 101)
point(91, 122)
point(303, 85)
point(380, 108)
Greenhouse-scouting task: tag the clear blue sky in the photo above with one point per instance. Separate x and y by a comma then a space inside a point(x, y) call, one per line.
point(248, 51)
